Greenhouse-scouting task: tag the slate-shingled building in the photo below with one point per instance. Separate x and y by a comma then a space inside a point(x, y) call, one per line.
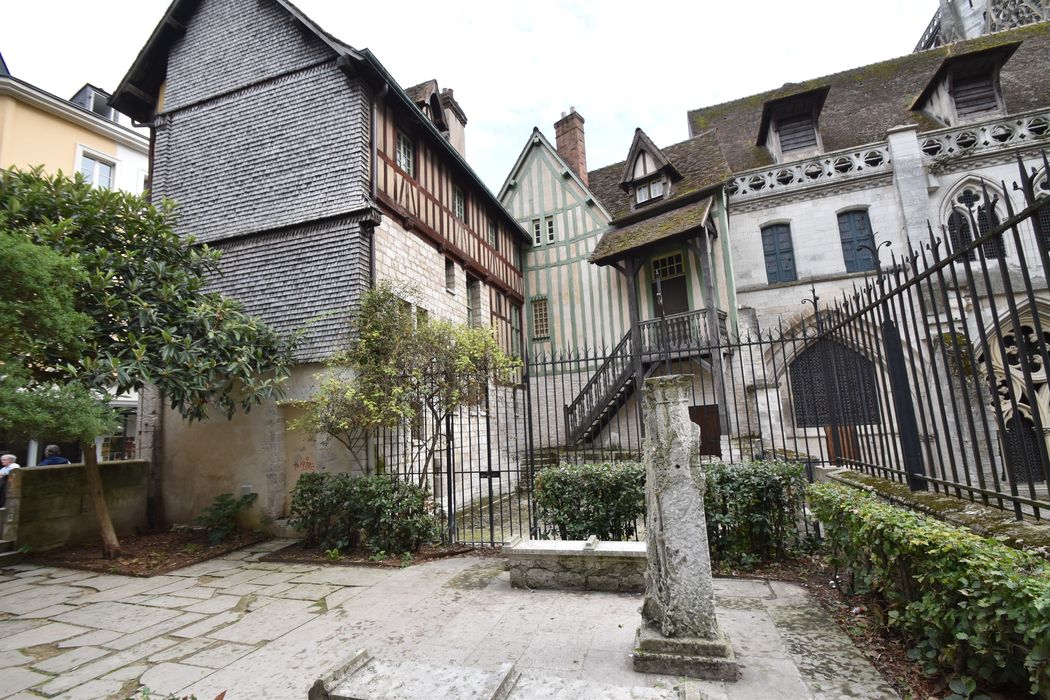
point(303, 160)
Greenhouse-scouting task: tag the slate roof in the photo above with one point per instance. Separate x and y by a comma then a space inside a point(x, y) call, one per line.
point(420, 93)
point(3, 66)
point(699, 160)
point(663, 227)
point(863, 103)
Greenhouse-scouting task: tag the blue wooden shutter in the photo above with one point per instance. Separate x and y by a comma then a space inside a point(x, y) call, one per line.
point(779, 254)
point(855, 231)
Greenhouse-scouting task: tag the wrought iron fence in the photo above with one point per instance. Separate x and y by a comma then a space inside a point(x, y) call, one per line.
point(933, 373)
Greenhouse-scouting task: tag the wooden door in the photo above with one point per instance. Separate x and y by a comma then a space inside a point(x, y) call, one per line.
point(848, 439)
point(706, 417)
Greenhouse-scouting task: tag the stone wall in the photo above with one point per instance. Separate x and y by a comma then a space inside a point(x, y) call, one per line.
point(577, 565)
point(48, 507)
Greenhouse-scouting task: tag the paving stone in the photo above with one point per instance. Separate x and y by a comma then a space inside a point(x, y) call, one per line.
point(48, 612)
point(220, 655)
point(45, 634)
point(308, 591)
point(342, 595)
point(235, 579)
point(102, 666)
point(93, 690)
point(217, 604)
point(90, 639)
point(37, 571)
point(345, 576)
point(119, 617)
point(274, 578)
point(175, 587)
point(268, 623)
point(198, 592)
point(166, 627)
point(741, 588)
point(70, 660)
point(170, 602)
point(20, 625)
point(242, 589)
point(68, 577)
point(128, 673)
point(204, 568)
point(169, 678)
point(182, 649)
point(274, 590)
point(36, 598)
point(105, 582)
point(12, 658)
point(207, 625)
point(130, 588)
point(14, 680)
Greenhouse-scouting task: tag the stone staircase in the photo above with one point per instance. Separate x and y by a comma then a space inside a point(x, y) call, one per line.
point(366, 678)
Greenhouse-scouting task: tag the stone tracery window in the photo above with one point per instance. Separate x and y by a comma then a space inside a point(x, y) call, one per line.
point(967, 206)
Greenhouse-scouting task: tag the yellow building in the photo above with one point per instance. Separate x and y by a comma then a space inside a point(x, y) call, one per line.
point(80, 134)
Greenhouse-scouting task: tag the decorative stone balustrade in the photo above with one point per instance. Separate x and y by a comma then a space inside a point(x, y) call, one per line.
point(1017, 130)
point(812, 172)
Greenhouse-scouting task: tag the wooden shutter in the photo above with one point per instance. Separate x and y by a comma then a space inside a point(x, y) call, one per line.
point(779, 253)
point(974, 94)
point(796, 132)
point(855, 231)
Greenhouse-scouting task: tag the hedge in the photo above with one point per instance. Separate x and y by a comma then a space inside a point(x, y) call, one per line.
point(973, 607)
point(335, 511)
point(753, 509)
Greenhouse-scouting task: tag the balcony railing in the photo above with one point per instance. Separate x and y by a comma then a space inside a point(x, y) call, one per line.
point(995, 135)
point(812, 172)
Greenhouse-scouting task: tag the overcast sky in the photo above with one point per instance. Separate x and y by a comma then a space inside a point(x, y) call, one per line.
point(518, 65)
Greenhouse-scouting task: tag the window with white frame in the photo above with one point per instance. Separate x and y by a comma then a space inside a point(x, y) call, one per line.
point(493, 234)
point(459, 204)
point(473, 301)
point(537, 232)
point(648, 191)
point(550, 229)
point(96, 172)
point(450, 276)
point(406, 154)
point(540, 319)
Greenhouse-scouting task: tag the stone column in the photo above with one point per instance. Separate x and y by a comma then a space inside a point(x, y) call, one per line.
point(679, 634)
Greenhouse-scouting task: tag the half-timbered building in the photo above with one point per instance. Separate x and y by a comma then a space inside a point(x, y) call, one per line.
point(316, 174)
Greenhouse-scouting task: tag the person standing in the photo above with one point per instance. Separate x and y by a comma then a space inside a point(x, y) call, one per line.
point(7, 465)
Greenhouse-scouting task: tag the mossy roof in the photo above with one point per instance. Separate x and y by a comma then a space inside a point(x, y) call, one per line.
point(621, 240)
point(863, 103)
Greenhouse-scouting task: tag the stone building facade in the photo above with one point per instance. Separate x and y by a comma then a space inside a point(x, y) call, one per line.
point(315, 174)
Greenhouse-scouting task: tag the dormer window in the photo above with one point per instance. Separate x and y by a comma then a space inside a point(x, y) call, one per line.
point(789, 127)
point(974, 94)
point(966, 88)
point(649, 191)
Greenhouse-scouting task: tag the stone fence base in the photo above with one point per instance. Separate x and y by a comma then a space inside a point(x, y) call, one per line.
point(577, 565)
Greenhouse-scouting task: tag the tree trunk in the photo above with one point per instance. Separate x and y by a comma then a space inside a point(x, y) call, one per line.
point(110, 544)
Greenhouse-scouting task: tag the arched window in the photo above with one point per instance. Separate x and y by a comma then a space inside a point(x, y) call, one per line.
point(829, 380)
point(966, 206)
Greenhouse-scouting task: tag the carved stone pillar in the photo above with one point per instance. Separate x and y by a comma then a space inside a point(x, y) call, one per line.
point(679, 634)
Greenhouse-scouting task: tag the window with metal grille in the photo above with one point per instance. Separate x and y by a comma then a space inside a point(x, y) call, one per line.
point(550, 229)
point(858, 242)
point(670, 266)
point(540, 319)
point(797, 132)
point(779, 253)
point(537, 232)
point(974, 94)
point(1043, 222)
point(406, 154)
point(829, 380)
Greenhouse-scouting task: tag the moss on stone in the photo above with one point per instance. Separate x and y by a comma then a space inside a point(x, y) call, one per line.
point(1033, 536)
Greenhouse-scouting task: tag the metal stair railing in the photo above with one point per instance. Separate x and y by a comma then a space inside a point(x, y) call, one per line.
point(599, 390)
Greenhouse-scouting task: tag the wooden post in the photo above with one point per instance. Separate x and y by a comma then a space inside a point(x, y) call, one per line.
point(630, 270)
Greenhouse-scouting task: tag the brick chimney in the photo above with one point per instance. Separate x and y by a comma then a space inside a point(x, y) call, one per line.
point(568, 135)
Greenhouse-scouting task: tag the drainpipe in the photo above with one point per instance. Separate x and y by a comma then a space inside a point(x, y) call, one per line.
point(374, 184)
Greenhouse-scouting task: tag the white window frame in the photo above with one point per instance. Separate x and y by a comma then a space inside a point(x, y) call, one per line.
point(85, 152)
point(405, 158)
point(550, 228)
point(537, 232)
point(459, 204)
point(536, 335)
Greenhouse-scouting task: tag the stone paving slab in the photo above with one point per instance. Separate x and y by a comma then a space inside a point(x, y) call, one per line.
point(289, 624)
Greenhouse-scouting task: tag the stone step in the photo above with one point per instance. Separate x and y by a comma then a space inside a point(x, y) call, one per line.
point(10, 557)
point(534, 686)
point(6, 546)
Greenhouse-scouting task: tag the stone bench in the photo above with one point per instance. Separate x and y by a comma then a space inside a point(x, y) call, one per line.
point(584, 565)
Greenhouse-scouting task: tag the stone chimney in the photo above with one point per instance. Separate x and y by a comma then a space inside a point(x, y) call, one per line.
point(568, 135)
point(456, 120)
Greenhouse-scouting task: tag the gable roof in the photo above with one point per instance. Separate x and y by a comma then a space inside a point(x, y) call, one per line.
point(538, 140)
point(699, 160)
point(863, 103)
point(137, 92)
point(3, 66)
point(642, 142)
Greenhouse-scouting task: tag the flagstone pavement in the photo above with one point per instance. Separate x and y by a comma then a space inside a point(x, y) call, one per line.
point(268, 630)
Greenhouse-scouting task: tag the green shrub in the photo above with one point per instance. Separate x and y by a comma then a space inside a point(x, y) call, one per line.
point(973, 607)
point(334, 511)
point(753, 511)
point(575, 501)
point(220, 518)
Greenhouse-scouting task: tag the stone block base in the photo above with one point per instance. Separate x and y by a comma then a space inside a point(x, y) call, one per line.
point(709, 659)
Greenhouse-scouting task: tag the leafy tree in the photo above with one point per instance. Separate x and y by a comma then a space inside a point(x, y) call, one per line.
point(150, 318)
point(398, 369)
